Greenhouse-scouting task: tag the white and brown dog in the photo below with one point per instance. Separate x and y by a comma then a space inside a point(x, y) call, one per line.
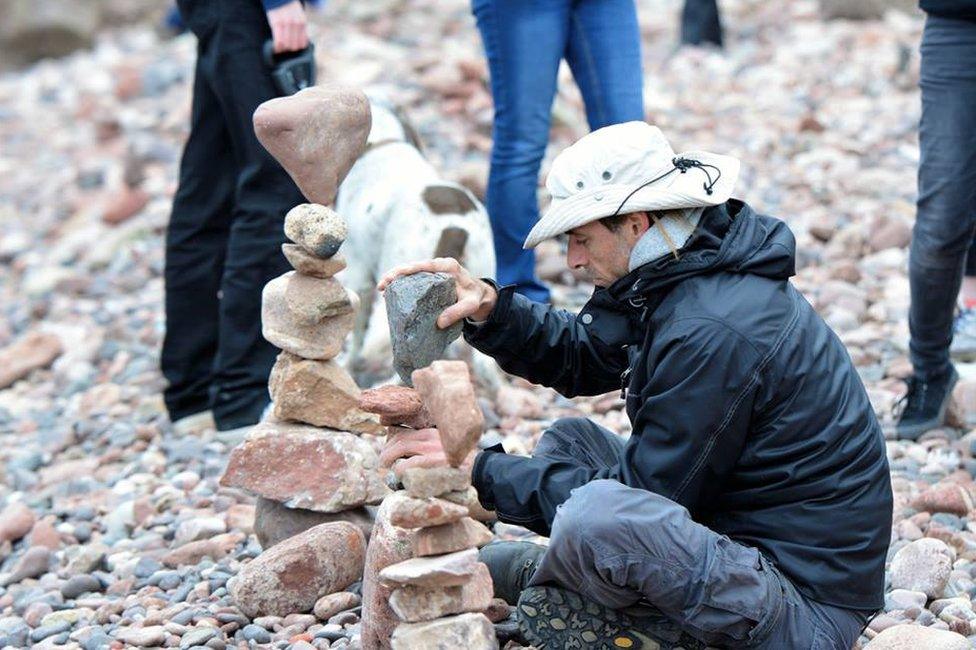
point(399, 210)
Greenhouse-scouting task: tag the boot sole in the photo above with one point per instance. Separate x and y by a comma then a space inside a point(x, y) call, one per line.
point(554, 619)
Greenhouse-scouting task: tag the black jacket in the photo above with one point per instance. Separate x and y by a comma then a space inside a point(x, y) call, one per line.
point(746, 408)
point(965, 9)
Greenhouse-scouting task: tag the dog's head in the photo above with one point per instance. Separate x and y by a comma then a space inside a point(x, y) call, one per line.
point(390, 124)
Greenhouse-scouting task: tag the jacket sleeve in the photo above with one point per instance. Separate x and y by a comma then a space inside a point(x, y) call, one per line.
point(547, 346)
point(688, 431)
point(274, 4)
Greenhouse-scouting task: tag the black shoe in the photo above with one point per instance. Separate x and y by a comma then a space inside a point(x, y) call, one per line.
point(511, 565)
point(557, 618)
point(925, 404)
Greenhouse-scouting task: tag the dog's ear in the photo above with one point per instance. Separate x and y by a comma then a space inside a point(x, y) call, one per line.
point(413, 137)
point(449, 199)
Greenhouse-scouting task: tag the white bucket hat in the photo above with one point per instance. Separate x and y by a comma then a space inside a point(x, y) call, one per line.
point(626, 168)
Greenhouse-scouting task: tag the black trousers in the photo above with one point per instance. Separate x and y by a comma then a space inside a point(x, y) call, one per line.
point(225, 232)
point(945, 224)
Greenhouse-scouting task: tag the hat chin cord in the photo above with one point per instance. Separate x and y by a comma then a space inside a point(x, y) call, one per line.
point(682, 165)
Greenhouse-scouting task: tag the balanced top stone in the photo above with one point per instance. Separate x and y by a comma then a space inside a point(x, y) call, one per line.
point(413, 303)
point(316, 228)
point(317, 135)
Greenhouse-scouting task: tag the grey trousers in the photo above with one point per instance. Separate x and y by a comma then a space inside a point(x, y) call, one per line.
point(945, 225)
point(630, 548)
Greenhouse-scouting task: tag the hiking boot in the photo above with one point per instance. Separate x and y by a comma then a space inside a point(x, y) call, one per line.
point(963, 346)
point(925, 404)
point(511, 565)
point(551, 617)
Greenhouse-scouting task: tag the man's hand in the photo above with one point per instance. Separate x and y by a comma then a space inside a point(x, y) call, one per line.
point(289, 27)
point(407, 449)
point(476, 299)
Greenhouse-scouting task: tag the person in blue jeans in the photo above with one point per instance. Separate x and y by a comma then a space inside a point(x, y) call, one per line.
point(525, 41)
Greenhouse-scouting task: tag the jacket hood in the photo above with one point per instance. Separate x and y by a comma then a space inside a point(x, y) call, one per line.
point(731, 237)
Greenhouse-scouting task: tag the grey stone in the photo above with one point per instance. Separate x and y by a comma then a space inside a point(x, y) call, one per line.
point(256, 633)
point(198, 636)
point(14, 631)
point(413, 303)
point(275, 522)
point(35, 562)
point(80, 584)
point(45, 631)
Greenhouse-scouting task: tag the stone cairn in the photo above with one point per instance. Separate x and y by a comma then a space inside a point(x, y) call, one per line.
point(424, 586)
point(307, 464)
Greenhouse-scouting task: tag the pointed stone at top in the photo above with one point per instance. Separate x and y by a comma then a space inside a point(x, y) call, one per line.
point(413, 303)
point(316, 134)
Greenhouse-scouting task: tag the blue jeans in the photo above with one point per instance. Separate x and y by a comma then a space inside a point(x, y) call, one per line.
point(945, 223)
point(525, 40)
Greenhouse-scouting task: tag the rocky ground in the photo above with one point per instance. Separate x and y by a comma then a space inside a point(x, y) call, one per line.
point(107, 511)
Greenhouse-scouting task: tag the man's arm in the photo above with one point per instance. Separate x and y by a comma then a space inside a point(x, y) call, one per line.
point(548, 346)
point(544, 345)
point(695, 414)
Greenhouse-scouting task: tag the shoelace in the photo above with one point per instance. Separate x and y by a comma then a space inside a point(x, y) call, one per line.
point(909, 398)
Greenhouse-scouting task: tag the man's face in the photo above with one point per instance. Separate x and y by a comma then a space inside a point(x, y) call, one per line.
point(604, 254)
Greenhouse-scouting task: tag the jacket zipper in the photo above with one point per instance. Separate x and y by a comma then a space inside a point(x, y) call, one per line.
point(624, 380)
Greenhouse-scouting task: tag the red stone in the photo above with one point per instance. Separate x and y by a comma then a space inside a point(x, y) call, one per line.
point(389, 545)
point(306, 467)
point(448, 394)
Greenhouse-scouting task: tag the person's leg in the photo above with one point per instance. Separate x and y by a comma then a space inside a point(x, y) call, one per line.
point(195, 242)
point(575, 440)
point(701, 23)
point(603, 51)
point(946, 218)
point(581, 441)
point(524, 43)
point(264, 193)
point(619, 547)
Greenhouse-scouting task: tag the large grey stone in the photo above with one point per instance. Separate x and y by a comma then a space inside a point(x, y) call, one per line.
point(413, 303)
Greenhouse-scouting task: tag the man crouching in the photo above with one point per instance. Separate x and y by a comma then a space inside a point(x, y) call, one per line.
point(751, 506)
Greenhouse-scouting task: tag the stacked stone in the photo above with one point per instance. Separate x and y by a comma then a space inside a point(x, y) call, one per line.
point(424, 586)
point(312, 472)
point(307, 463)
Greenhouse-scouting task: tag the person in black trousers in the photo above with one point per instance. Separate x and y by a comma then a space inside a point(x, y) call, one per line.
point(225, 231)
point(945, 222)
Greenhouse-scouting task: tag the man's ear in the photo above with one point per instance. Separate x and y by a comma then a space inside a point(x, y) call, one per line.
point(638, 223)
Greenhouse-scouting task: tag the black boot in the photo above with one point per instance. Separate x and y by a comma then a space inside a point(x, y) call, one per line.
point(925, 404)
point(511, 565)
